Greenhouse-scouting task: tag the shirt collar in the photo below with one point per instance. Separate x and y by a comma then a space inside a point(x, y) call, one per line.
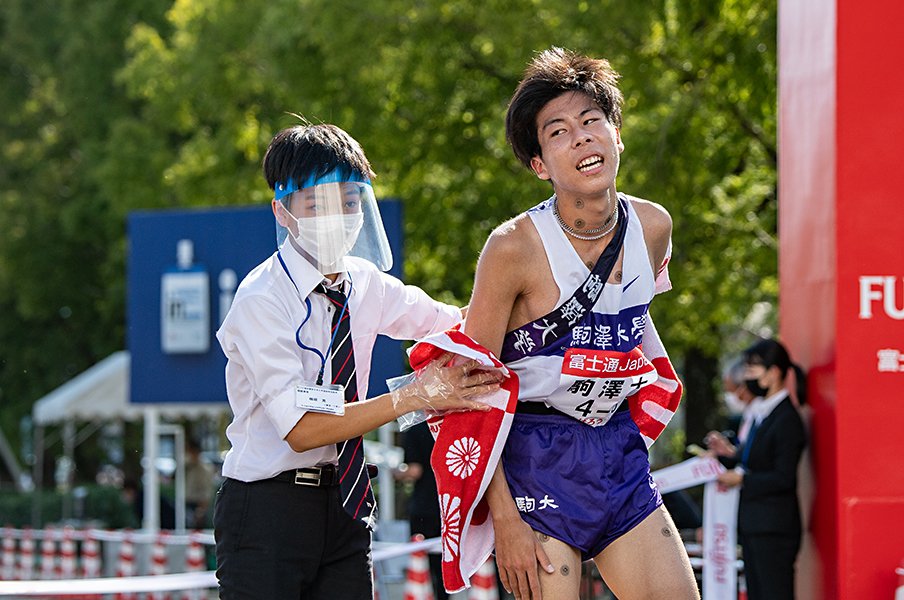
point(303, 273)
point(765, 406)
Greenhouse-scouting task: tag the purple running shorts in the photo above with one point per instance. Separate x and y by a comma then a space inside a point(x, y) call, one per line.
point(585, 486)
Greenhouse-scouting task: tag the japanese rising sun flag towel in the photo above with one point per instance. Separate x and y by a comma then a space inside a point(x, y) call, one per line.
point(654, 405)
point(467, 449)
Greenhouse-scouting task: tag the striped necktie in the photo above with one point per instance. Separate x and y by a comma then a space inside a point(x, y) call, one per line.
point(354, 482)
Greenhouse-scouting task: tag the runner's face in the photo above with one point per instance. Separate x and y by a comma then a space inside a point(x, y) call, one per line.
point(580, 148)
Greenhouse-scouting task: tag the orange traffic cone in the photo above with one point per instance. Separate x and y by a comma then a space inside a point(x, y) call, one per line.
point(483, 582)
point(417, 581)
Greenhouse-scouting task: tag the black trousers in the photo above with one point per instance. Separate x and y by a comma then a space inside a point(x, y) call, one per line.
point(769, 566)
point(280, 541)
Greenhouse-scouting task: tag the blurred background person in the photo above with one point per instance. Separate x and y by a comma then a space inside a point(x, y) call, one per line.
point(740, 407)
point(200, 482)
point(765, 467)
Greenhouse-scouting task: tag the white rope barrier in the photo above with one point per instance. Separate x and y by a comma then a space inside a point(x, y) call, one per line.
point(111, 585)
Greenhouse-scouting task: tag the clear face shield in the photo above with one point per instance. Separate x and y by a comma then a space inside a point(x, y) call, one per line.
point(329, 220)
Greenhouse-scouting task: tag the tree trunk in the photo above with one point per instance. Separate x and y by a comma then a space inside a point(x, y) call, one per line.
point(701, 409)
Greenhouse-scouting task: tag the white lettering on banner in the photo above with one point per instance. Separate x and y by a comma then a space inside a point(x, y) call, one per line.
point(881, 287)
point(891, 360)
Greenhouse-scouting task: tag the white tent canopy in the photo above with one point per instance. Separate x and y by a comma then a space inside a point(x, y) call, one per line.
point(102, 393)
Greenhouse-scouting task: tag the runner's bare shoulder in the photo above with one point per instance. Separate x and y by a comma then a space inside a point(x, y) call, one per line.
point(512, 245)
point(657, 226)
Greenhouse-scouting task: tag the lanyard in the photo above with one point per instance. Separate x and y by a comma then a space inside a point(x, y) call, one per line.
point(307, 303)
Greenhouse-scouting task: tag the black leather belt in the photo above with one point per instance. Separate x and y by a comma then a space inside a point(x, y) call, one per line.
point(322, 476)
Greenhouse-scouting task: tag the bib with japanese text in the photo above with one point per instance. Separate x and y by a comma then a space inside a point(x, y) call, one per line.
point(594, 383)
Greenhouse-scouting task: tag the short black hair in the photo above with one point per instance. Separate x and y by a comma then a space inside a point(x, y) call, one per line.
point(771, 353)
point(307, 150)
point(550, 74)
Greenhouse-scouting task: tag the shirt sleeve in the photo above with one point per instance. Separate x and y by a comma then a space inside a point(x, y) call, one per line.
point(259, 342)
point(408, 313)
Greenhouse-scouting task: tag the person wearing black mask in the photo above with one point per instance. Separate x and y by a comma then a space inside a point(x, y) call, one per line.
point(765, 468)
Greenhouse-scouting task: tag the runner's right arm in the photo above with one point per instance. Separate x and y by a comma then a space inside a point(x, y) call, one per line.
point(502, 276)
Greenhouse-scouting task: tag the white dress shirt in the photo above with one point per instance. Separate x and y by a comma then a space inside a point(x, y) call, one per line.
point(758, 409)
point(265, 362)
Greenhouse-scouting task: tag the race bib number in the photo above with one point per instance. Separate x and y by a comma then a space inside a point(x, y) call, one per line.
point(595, 382)
point(328, 399)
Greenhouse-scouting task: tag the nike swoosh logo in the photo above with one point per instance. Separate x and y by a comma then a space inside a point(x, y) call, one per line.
point(625, 289)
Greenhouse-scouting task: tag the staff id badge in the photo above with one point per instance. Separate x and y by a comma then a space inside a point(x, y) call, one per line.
point(329, 399)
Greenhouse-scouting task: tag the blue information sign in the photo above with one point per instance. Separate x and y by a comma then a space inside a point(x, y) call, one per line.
point(183, 268)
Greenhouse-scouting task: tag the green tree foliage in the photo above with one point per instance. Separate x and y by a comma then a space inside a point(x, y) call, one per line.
point(146, 104)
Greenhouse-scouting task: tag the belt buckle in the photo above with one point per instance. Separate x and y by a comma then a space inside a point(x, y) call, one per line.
point(307, 477)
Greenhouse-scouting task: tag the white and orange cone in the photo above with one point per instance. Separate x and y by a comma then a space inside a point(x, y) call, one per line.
point(126, 566)
point(194, 561)
point(90, 556)
point(417, 579)
point(27, 555)
point(67, 555)
point(48, 556)
point(8, 561)
point(158, 563)
point(483, 582)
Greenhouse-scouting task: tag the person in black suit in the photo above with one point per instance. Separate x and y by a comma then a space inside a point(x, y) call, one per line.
point(765, 467)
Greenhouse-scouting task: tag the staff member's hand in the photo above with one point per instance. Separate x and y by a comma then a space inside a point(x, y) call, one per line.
point(719, 444)
point(730, 479)
point(440, 388)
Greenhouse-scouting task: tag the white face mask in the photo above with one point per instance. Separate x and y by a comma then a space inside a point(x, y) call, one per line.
point(733, 403)
point(328, 239)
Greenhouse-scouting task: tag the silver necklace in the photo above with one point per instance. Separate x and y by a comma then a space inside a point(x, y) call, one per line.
point(587, 235)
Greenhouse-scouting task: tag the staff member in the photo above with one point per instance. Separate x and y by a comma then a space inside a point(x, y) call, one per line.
point(294, 515)
point(765, 466)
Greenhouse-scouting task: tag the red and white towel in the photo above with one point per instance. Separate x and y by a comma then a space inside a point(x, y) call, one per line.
point(467, 451)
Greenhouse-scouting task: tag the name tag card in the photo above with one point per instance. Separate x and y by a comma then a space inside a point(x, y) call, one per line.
point(329, 399)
